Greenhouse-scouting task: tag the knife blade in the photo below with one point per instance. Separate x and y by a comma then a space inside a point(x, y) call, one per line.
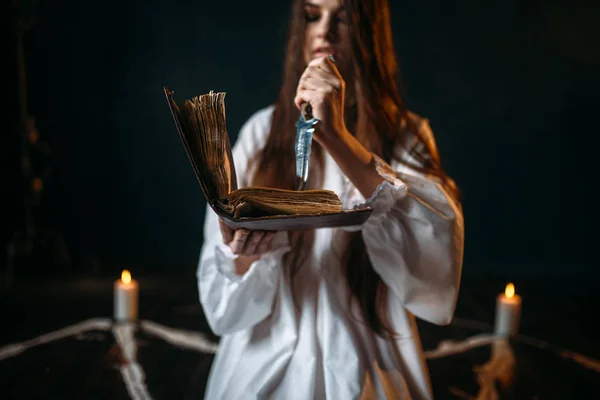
point(305, 127)
point(304, 135)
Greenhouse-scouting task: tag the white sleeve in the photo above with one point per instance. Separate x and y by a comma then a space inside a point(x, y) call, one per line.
point(415, 239)
point(232, 302)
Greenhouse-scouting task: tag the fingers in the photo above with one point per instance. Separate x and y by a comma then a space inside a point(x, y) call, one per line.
point(323, 89)
point(238, 243)
point(265, 243)
point(314, 97)
point(251, 243)
point(226, 232)
point(320, 76)
point(314, 76)
point(320, 85)
point(325, 64)
point(301, 98)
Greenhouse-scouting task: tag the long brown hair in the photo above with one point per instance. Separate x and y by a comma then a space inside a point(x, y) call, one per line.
point(378, 118)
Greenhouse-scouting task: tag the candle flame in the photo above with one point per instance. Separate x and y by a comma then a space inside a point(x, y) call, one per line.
point(510, 290)
point(125, 276)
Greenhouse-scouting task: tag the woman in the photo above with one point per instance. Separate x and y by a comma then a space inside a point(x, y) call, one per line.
point(330, 314)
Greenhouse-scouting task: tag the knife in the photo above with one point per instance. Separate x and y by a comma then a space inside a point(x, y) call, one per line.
point(305, 127)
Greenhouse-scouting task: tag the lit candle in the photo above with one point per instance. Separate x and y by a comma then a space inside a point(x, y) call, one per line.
point(508, 312)
point(125, 298)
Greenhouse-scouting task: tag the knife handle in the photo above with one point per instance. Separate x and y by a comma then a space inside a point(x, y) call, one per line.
point(306, 111)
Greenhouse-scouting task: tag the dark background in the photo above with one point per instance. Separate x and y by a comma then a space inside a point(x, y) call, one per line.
point(510, 89)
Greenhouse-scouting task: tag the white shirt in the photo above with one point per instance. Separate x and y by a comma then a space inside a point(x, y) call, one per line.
point(274, 346)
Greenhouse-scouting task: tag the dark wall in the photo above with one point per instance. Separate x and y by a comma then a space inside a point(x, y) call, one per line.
point(509, 89)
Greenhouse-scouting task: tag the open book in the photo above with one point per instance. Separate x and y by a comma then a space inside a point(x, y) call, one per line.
point(201, 124)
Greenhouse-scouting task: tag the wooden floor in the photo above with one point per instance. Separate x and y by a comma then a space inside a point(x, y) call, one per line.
point(57, 341)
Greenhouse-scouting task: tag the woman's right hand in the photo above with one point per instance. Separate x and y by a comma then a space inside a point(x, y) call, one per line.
point(245, 242)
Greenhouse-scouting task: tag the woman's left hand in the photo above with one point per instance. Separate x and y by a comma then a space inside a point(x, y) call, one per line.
point(323, 87)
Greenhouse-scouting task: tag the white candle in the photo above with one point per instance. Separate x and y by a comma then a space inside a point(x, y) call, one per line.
point(508, 312)
point(126, 298)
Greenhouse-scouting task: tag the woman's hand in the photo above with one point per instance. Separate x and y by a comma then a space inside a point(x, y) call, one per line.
point(323, 87)
point(247, 243)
